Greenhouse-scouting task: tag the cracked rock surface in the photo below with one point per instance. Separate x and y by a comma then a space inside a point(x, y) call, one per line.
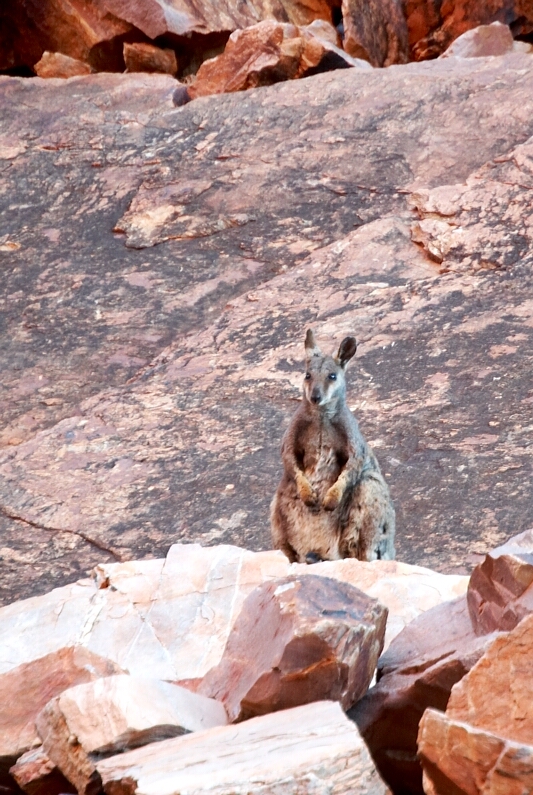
point(160, 266)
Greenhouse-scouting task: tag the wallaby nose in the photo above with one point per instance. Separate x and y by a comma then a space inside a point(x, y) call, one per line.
point(315, 395)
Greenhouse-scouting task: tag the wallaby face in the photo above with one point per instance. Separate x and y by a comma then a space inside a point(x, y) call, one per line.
point(324, 382)
point(332, 501)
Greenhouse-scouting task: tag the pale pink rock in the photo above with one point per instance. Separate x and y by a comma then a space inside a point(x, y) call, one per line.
point(55, 64)
point(114, 715)
point(313, 748)
point(480, 42)
point(298, 639)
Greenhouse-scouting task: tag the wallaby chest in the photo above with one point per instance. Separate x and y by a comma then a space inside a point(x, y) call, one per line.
point(323, 451)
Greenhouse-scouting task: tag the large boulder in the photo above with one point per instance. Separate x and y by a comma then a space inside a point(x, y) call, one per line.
point(55, 64)
point(114, 715)
point(376, 31)
point(36, 774)
point(418, 671)
point(267, 53)
point(484, 742)
point(297, 640)
point(313, 748)
point(500, 592)
point(480, 42)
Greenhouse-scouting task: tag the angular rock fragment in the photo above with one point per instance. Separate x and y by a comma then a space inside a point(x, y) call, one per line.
point(480, 42)
point(313, 748)
point(484, 742)
point(26, 688)
point(55, 64)
point(418, 671)
point(376, 31)
point(500, 592)
point(36, 774)
point(297, 640)
point(267, 53)
point(142, 57)
point(115, 714)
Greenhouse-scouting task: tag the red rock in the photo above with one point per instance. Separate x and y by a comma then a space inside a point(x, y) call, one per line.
point(297, 640)
point(484, 743)
point(376, 31)
point(25, 690)
point(114, 714)
point(83, 31)
point(55, 64)
point(500, 591)
point(308, 749)
point(141, 57)
point(434, 24)
point(417, 671)
point(494, 39)
point(36, 774)
point(266, 53)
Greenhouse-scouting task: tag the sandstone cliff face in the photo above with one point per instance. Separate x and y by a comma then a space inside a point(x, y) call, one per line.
point(162, 264)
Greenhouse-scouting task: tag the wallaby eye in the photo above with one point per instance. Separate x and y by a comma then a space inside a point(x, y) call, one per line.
point(308, 376)
point(332, 376)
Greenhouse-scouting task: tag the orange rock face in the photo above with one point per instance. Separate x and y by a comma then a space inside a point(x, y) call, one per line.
point(267, 53)
point(376, 31)
point(434, 24)
point(485, 40)
point(298, 640)
point(483, 745)
point(55, 64)
point(141, 57)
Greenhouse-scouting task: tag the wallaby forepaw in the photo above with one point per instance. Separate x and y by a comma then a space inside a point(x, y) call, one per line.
point(308, 495)
point(332, 499)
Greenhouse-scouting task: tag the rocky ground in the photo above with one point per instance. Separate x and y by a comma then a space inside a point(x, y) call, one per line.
point(160, 267)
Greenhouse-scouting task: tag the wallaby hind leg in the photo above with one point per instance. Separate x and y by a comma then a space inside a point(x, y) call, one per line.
point(278, 524)
point(369, 534)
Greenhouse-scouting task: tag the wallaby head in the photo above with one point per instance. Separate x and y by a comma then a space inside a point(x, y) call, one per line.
point(324, 381)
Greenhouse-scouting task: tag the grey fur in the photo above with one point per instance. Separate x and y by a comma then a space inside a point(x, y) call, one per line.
point(332, 501)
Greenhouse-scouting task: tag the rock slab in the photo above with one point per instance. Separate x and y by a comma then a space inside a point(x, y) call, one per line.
point(88, 722)
point(298, 639)
point(308, 749)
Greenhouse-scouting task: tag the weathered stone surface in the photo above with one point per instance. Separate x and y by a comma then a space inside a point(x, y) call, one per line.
point(406, 591)
point(298, 639)
point(313, 748)
point(142, 57)
point(114, 715)
point(55, 64)
point(124, 433)
point(264, 54)
point(36, 774)
point(500, 591)
point(484, 742)
point(25, 687)
point(485, 40)
point(85, 31)
point(417, 671)
point(434, 24)
point(376, 31)
point(464, 760)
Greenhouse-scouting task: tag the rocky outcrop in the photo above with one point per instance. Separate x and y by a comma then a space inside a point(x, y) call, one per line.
point(119, 444)
point(480, 42)
point(141, 57)
point(25, 688)
point(298, 640)
point(36, 774)
point(376, 31)
point(55, 64)
point(484, 742)
point(434, 24)
point(114, 715)
point(267, 53)
point(500, 592)
point(309, 748)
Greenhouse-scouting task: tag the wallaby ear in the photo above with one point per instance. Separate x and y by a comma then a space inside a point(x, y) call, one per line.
point(311, 348)
point(347, 349)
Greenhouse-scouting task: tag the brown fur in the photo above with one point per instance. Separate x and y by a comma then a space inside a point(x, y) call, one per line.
point(332, 501)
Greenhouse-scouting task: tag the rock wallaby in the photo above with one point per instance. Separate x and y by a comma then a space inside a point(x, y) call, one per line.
point(332, 501)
